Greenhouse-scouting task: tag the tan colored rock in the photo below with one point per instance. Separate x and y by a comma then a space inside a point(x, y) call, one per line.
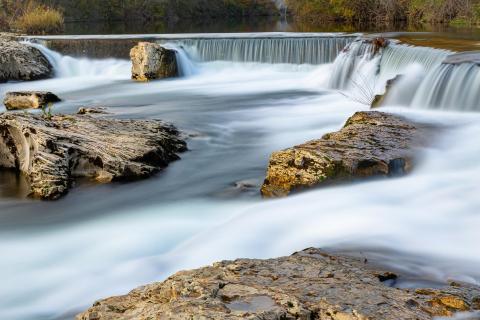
point(370, 144)
point(29, 99)
point(19, 61)
point(311, 284)
point(151, 61)
point(54, 151)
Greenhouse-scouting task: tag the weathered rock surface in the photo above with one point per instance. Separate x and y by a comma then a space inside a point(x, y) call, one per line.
point(151, 61)
point(370, 144)
point(19, 61)
point(463, 57)
point(28, 99)
point(311, 284)
point(53, 152)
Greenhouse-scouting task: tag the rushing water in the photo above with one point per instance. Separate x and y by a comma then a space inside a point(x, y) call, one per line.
point(100, 240)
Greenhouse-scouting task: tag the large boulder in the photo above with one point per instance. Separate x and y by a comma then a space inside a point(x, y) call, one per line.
point(311, 284)
point(21, 62)
point(370, 144)
point(151, 61)
point(28, 99)
point(53, 151)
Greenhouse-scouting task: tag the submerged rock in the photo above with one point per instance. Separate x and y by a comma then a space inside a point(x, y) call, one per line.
point(370, 144)
point(311, 284)
point(28, 99)
point(52, 152)
point(472, 57)
point(152, 61)
point(19, 61)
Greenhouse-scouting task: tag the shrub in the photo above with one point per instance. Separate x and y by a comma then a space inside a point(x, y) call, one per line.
point(39, 19)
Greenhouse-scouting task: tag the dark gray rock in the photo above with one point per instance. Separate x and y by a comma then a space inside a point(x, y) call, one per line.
point(21, 62)
point(53, 151)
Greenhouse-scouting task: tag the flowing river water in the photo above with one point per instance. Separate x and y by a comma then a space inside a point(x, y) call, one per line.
point(241, 97)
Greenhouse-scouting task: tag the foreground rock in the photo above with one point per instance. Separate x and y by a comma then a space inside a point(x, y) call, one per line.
point(20, 62)
point(370, 144)
point(307, 285)
point(29, 99)
point(151, 61)
point(52, 152)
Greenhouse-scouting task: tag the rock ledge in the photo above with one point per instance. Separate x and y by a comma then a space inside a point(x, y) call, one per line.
point(309, 285)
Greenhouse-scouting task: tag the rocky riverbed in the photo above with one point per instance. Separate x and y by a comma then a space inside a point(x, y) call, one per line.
point(311, 284)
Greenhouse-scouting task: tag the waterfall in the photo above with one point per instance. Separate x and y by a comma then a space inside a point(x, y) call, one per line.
point(66, 66)
point(294, 50)
point(397, 57)
point(450, 86)
point(347, 65)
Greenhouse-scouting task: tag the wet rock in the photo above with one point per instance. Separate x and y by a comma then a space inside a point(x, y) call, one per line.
point(28, 99)
point(92, 110)
point(53, 152)
point(370, 144)
point(284, 288)
point(472, 57)
point(21, 62)
point(152, 61)
point(380, 99)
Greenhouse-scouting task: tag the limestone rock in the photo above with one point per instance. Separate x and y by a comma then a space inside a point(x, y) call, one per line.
point(152, 61)
point(53, 152)
point(370, 144)
point(19, 61)
point(311, 284)
point(28, 99)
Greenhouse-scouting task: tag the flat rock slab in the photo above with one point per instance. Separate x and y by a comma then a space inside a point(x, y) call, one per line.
point(21, 100)
point(370, 144)
point(53, 152)
point(472, 57)
point(311, 284)
point(21, 62)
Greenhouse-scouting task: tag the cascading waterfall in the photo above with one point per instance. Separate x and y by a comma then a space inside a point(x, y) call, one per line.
point(396, 58)
point(348, 64)
point(308, 50)
point(450, 86)
point(66, 66)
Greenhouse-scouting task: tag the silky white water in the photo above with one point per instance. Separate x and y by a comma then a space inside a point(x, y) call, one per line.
point(58, 257)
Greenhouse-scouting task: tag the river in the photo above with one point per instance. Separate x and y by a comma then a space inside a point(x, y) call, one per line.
point(241, 97)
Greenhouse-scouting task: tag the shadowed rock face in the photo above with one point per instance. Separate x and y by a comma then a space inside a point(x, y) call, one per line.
point(310, 284)
point(370, 144)
point(22, 62)
point(151, 61)
point(53, 152)
point(28, 99)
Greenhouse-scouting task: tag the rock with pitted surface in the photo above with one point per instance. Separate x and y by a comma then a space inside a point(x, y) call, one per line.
point(151, 61)
point(311, 284)
point(21, 62)
point(20, 100)
point(53, 151)
point(370, 144)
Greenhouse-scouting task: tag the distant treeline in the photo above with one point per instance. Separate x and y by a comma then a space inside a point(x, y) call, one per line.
point(389, 11)
point(112, 10)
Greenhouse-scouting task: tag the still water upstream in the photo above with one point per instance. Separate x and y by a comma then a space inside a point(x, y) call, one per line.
point(241, 98)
